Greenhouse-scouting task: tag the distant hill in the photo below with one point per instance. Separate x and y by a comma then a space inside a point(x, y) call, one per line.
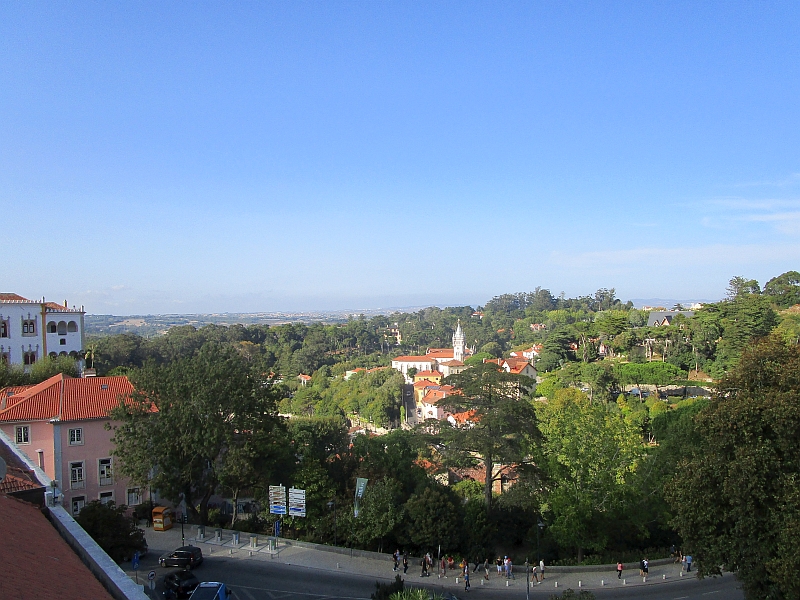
point(153, 325)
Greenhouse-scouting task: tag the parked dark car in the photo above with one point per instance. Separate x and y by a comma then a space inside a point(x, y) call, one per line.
point(182, 583)
point(186, 557)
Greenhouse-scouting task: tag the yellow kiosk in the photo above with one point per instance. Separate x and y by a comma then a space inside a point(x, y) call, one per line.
point(163, 518)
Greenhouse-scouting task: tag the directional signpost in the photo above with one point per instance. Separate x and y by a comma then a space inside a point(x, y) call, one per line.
point(277, 500)
point(151, 576)
point(135, 564)
point(297, 502)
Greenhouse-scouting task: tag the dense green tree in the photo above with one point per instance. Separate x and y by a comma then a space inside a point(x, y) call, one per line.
point(380, 512)
point(432, 520)
point(114, 532)
point(176, 429)
point(737, 497)
point(501, 428)
point(784, 290)
point(590, 452)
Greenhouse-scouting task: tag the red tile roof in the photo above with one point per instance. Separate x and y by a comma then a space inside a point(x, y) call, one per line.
point(440, 353)
point(453, 363)
point(423, 383)
point(17, 479)
point(37, 562)
point(427, 359)
point(68, 399)
point(11, 395)
point(427, 374)
point(434, 396)
point(8, 297)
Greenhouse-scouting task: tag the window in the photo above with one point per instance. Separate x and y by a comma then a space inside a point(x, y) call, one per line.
point(76, 437)
point(3, 328)
point(78, 502)
point(134, 496)
point(105, 471)
point(106, 497)
point(62, 328)
point(72, 327)
point(62, 341)
point(40, 454)
point(23, 434)
point(51, 327)
point(29, 327)
point(77, 475)
point(29, 358)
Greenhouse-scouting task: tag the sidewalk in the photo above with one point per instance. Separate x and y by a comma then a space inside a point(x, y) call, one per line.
point(372, 564)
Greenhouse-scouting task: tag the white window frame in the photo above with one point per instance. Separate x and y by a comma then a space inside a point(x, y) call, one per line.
point(106, 497)
point(77, 475)
point(22, 434)
point(105, 471)
point(75, 500)
point(76, 436)
point(134, 493)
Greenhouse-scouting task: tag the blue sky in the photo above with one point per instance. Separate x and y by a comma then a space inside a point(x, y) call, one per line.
point(209, 157)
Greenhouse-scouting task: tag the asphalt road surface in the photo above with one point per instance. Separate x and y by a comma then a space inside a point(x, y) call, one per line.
point(273, 580)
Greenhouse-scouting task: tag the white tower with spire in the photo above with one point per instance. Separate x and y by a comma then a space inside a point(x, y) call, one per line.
point(459, 343)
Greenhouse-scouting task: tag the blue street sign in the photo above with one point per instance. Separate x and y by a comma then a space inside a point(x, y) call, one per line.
point(135, 561)
point(277, 529)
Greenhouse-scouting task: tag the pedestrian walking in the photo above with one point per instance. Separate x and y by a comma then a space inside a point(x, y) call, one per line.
point(396, 557)
point(511, 569)
point(688, 563)
point(405, 562)
point(541, 570)
point(641, 567)
point(499, 562)
point(486, 568)
point(466, 577)
point(443, 567)
point(533, 570)
point(646, 566)
point(620, 566)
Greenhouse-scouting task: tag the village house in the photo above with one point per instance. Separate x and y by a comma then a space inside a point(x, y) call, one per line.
point(60, 425)
point(32, 329)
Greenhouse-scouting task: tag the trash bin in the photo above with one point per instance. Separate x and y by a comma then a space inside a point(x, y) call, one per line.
point(218, 535)
point(235, 537)
point(254, 541)
point(163, 518)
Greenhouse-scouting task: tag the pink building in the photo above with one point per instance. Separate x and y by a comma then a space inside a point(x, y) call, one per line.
point(60, 424)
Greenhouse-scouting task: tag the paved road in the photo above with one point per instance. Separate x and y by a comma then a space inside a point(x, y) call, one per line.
point(316, 575)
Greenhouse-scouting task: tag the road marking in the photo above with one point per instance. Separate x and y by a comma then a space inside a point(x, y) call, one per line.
point(285, 594)
point(714, 592)
point(680, 598)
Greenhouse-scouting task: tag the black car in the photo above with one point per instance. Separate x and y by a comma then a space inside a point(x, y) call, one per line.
point(187, 557)
point(182, 583)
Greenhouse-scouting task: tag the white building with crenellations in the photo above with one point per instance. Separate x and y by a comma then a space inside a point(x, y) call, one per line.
point(32, 329)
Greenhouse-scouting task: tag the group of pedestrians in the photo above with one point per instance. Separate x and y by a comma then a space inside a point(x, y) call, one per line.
point(505, 567)
point(398, 558)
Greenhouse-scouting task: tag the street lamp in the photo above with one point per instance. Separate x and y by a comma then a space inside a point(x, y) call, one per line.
point(539, 527)
point(332, 503)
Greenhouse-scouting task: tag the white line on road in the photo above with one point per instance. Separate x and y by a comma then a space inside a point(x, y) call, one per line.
point(714, 592)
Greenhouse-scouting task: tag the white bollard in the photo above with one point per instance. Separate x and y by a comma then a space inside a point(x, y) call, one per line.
point(644, 579)
point(624, 582)
point(580, 583)
point(481, 581)
point(506, 582)
point(602, 582)
point(681, 573)
point(337, 566)
point(663, 577)
point(456, 579)
point(556, 584)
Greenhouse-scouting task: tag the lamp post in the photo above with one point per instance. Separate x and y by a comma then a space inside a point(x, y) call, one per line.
point(539, 527)
point(527, 581)
point(332, 503)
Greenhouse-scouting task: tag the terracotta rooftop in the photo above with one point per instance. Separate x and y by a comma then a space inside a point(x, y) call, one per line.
point(7, 297)
point(426, 374)
point(67, 399)
point(427, 359)
point(37, 563)
point(423, 383)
